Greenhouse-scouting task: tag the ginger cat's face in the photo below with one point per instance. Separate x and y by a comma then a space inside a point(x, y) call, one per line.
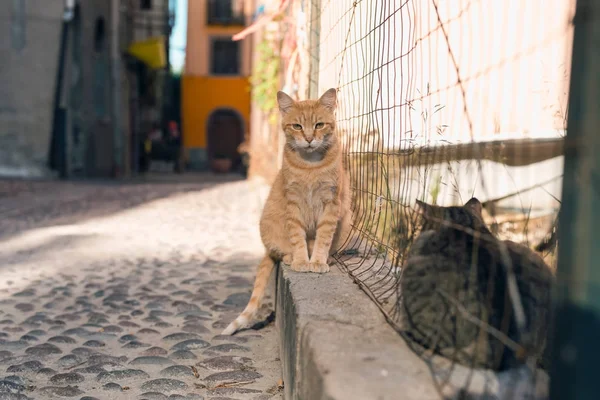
point(308, 125)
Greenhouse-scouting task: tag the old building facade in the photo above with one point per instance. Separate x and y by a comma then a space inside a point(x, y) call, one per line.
point(74, 98)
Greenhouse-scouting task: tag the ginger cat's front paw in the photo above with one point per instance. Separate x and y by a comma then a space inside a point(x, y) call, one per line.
point(300, 266)
point(287, 259)
point(318, 267)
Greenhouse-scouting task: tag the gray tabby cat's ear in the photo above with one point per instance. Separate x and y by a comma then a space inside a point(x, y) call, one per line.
point(474, 205)
point(329, 99)
point(423, 208)
point(285, 102)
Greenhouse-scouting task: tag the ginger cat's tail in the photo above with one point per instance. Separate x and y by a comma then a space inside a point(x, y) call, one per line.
point(260, 284)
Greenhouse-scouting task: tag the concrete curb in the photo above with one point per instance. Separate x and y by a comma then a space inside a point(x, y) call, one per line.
point(336, 345)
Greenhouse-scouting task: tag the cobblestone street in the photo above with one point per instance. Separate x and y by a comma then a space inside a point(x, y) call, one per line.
point(120, 291)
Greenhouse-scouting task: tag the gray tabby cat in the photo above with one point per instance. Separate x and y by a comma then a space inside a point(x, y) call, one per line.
point(449, 265)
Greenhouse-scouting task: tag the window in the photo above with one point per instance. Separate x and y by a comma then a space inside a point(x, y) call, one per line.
point(100, 69)
point(146, 4)
point(222, 12)
point(99, 34)
point(225, 57)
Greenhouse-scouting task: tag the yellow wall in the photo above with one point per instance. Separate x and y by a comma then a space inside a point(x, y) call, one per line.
point(202, 95)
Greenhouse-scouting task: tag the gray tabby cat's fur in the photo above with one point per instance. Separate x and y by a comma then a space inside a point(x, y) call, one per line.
point(449, 265)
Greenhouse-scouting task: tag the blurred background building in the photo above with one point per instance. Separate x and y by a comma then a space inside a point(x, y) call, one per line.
point(215, 83)
point(106, 88)
point(81, 82)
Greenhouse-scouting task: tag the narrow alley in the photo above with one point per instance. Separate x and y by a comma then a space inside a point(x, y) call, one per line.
point(120, 291)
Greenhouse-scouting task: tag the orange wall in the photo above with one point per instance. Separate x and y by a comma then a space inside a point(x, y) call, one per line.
point(197, 58)
point(201, 95)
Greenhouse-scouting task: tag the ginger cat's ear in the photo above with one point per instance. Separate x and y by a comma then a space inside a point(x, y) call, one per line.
point(285, 102)
point(329, 99)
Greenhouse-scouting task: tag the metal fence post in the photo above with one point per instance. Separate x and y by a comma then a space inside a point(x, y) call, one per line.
point(314, 41)
point(577, 329)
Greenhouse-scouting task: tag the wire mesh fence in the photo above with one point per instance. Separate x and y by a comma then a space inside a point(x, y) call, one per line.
point(442, 101)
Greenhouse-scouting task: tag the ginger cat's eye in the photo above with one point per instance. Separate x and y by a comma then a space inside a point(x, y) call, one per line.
point(297, 127)
point(319, 125)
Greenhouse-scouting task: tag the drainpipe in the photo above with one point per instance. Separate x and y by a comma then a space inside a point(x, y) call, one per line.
point(57, 159)
point(116, 89)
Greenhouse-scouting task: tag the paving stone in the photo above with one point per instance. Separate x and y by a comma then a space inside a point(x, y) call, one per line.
point(191, 344)
point(69, 361)
point(94, 343)
point(164, 385)
point(83, 352)
point(134, 344)
point(47, 372)
point(13, 396)
point(79, 331)
point(232, 391)
point(151, 360)
point(181, 371)
point(225, 363)
point(229, 348)
point(29, 338)
point(112, 329)
point(14, 344)
point(127, 338)
point(106, 359)
point(43, 350)
point(148, 332)
point(235, 339)
point(7, 386)
point(122, 375)
point(25, 307)
point(153, 396)
point(237, 299)
point(62, 339)
point(181, 336)
point(195, 328)
point(67, 378)
point(60, 391)
point(229, 376)
point(155, 351)
point(29, 366)
point(112, 387)
point(15, 379)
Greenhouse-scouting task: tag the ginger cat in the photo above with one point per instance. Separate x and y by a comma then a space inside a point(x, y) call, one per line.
point(307, 215)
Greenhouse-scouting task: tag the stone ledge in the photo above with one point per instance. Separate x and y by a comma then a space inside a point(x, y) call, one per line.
point(336, 345)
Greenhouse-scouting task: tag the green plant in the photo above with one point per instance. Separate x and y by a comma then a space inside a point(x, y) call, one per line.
point(265, 78)
point(435, 187)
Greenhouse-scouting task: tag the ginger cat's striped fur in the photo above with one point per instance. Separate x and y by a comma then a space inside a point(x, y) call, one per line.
point(307, 215)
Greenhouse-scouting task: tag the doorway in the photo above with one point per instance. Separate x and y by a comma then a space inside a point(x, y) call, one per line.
point(225, 132)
